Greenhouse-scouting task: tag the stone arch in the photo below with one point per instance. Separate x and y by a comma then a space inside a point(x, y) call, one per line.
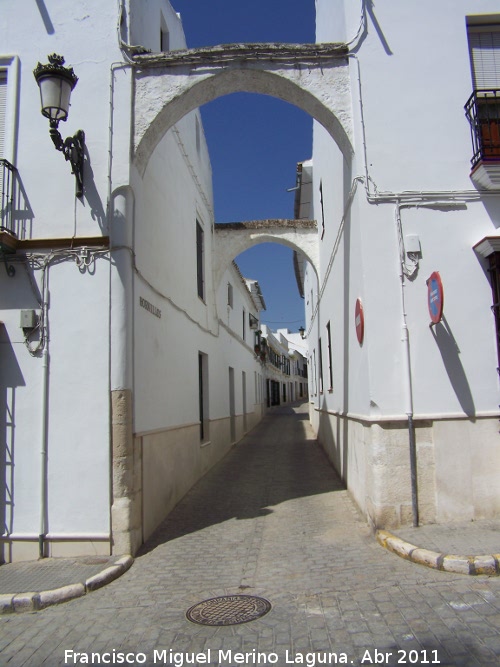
point(234, 238)
point(164, 94)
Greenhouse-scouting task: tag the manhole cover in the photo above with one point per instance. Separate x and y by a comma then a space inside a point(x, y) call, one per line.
point(228, 610)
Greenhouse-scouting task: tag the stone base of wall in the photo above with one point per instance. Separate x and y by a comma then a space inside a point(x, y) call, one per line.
point(457, 467)
point(126, 508)
point(175, 459)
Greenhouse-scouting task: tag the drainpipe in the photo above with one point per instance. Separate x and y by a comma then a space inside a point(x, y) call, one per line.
point(405, 339)
point(45, 421)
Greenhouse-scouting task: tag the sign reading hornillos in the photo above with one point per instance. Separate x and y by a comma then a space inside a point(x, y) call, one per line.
point(149, 307)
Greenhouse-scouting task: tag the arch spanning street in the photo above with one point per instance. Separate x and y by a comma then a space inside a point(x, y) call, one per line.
point(234, 238)
point(313, 77)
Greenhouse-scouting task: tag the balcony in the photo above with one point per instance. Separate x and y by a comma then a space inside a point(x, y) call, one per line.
point(483, 113)
point(8, 236)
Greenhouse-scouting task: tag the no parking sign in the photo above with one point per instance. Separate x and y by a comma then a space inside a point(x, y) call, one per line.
point(359, 320)
point(435, 297)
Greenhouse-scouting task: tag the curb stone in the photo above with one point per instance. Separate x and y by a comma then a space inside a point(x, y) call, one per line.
point(26, 602)
point(472, 565)
point(109, 574)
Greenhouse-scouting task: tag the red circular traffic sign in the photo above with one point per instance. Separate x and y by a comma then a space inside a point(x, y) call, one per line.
point(435, 297)
point(359, 319)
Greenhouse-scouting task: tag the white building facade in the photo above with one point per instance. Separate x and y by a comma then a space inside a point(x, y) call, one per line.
point(403, 353)
point(285, 366)
point(124, 375)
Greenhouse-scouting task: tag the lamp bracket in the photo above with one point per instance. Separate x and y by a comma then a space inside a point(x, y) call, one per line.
point(73, 149)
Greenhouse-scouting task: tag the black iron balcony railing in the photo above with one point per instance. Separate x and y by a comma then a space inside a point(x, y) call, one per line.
point(7, 196)
point(483, 113)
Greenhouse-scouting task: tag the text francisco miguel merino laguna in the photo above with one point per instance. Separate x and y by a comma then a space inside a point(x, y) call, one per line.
point(254, 657)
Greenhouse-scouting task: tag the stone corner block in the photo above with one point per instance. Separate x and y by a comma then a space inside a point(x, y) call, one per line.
point(382, 537)
point(25, 602)
point(485, 565)
point(125, 563)
point(457, 564)
point(6, 604)
point(58, 595)
point(426, 557)
point(399, 546)
point(102, 578)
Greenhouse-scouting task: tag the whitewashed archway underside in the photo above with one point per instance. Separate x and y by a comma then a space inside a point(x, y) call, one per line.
point(231, 239)
point(313, 77)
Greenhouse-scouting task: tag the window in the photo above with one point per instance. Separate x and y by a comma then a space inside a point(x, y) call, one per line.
point(198, 135)
point(483, 107)
point(330, 366)
point(314, 374)
point(9, 111)
point(5, 194)
point(229, 295)
point(203, 395)
point(8, 178)
point(322, 209)
point(320, 350)
point(257, 340)
point(3, 110)
point(200, 260)
point(244, 399)
point(484, 48)
point(244, 324)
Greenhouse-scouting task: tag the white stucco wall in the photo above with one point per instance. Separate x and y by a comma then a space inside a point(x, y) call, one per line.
point(409, 122)
point(84, 35)
point(168, 205)
point(408, 151)
point(78, 323)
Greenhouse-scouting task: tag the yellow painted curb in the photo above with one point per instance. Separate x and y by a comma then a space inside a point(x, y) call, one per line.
point(473, 565)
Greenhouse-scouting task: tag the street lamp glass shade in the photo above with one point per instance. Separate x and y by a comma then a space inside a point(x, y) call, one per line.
point(55, 94)
point(56, 83)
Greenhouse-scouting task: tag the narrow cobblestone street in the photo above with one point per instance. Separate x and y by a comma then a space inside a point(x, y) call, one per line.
point(271, 520)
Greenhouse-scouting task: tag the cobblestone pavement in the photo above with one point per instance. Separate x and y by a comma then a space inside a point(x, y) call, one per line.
point(271, 520)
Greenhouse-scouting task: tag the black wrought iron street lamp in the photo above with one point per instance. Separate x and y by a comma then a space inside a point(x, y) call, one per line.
point(302, 332)
point(56, 83)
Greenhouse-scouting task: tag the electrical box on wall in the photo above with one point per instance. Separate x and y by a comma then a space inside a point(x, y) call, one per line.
point(29, 319)
point(412, 243)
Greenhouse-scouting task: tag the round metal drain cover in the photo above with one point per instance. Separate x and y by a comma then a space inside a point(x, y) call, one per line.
point(228, 610)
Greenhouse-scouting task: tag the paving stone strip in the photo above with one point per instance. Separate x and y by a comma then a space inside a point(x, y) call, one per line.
point(34, 575)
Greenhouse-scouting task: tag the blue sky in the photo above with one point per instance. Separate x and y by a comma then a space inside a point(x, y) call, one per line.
point(255, 141)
